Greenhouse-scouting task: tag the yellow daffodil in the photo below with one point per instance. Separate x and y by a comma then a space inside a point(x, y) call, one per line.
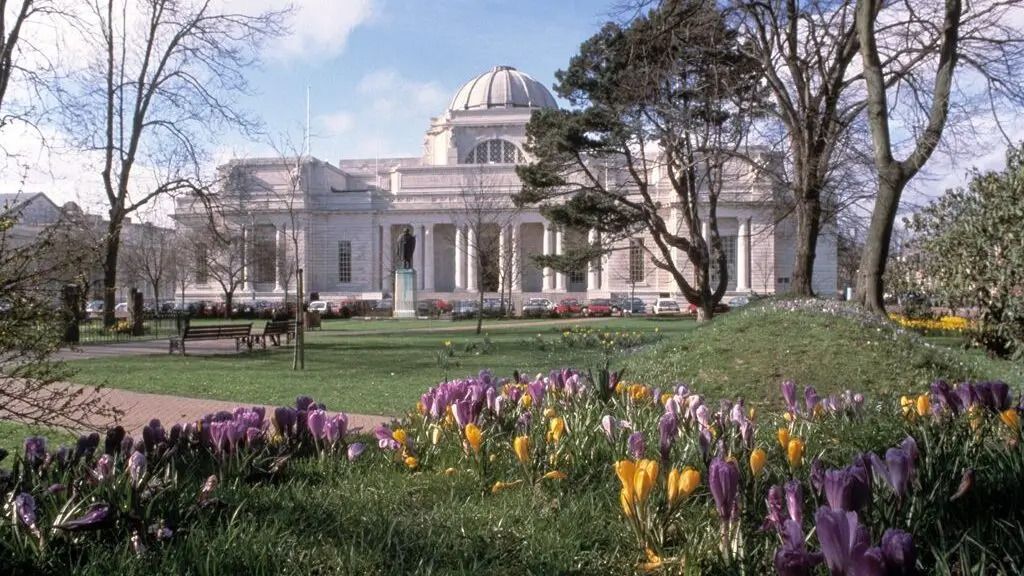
point(435, 434)
point(795, 452)
point(412, 462)
point(557, 428)
point(554, 475)
point(400, 436)
point(499, 486)
point(757, 461)
point(783, 435)
point(924, 405)
point(521, 446)
point(549, 412)
point(1012, 419)
point(474, 437)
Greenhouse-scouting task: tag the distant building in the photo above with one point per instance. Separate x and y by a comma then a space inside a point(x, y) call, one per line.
point(348, 217)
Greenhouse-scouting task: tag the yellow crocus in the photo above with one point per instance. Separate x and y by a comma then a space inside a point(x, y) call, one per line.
point(783, 438)
point(474, 437)
point(557, 428)
point(420, 408)
point(643, 481)
point(499, 486)
point(521, 446)
point(549, 412)
point(788, 416)
point(400, 436)
point(795, 452)
point(907, 406)
point(689, 480)
point(757, 461)
point(1011, 418)
point(412, 462)
point(753, 413)
point(435, 434)
point(555, 475)
point(672, 487)
point(450, 471)
point(626, 471)
point(924, 405)
point(526, 400)
point(626, 501)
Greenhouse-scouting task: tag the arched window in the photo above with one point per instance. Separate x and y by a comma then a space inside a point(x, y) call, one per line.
point(495, 152)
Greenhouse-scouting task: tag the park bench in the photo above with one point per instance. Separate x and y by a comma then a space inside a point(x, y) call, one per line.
point(240, 333)
point(274, 330)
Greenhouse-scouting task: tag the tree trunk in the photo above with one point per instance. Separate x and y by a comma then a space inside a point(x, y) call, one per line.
point(480, 296)
point(228, 297)
point(808, 226)
point(870, 288)
point(156, 297)
point(113, 247)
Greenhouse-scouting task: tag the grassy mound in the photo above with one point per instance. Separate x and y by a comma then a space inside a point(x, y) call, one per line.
point(828, 345)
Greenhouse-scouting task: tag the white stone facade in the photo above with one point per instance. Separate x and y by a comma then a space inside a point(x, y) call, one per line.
point(346, 218)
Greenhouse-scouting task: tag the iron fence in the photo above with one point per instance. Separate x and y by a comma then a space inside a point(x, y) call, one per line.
point(154, 327)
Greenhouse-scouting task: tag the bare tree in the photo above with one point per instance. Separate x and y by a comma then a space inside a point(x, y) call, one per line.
point(36, 263)
point(21, 60)
point(149, 256)
point(184, 263)
point(979, 42)
point(165, 79)
point(220, 250)
point(484, 210)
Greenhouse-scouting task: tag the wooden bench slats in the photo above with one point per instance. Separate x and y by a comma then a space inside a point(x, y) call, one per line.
point(273, 331)
point(241, 333)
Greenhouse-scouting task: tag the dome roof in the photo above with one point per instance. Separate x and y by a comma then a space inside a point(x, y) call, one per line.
point(502, 87)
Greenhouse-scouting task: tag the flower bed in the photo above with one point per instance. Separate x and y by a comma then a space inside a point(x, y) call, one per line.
point(925, 484)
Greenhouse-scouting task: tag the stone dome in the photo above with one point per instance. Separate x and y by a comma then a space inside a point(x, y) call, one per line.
point(502, 87)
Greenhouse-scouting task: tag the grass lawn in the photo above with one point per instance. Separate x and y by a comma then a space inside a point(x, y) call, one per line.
point(13, 434)
point(366, 374)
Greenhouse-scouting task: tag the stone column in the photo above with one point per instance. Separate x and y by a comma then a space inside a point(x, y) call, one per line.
point(559, 276)
point(422, 251)
point(743, 257)
point(517, 259)
point(387, 257)
point(471, 260)
point(591, 264)
point(428, 256)
point(247, 260)
point(282, 258)
point(503, 259)
point(460, 253)
point(545, 285)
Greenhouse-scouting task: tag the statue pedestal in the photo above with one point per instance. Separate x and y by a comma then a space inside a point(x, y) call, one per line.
point(405, 293)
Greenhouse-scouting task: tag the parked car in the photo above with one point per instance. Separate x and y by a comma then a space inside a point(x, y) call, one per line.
point(720, 308)
point(568, 307)
point(320, 306)
point(537, 308)
point(598, 307)
point(464, 309)
point(634, 306)
point(666, 307)
point(94, 309)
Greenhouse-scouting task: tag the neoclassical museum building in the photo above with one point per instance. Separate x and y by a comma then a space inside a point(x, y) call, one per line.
point(345, 218)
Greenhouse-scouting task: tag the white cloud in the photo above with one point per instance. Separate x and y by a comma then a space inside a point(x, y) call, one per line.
point(319, 28)
point(394, 95)
point(337, 123)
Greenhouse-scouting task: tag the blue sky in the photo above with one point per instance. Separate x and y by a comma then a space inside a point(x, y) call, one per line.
point(401, 65)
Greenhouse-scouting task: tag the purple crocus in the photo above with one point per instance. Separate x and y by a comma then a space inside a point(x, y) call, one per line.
point(25, 509)
point(724, 480)
point(608, 425)
point(667, 429)
point(104, 468)
point(386, 438)
point(795, 501)
point(948, 399)
point(789, 395)
point(524, 422)
point(35, 450)
point(793, 559)
point(137, 467)
point(303, 403)
point(354, 450)
point(462, 410)
point(775, 503)
point(254, 438)
point(899, 553)
point(536, 391)
point(846, 544)
point(848, 488)
point(316, 419)
point(98, 516)
point(636, 445)
point(284, 420)
point(817, 475)
point(811, 399)
point(896, 470)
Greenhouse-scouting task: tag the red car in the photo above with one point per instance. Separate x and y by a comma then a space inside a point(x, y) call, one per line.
point(598, 307)
point(568, 307)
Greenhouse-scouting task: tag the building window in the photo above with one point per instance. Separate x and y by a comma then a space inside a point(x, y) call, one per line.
point(577, 276)
point(729, 247)
point(344, 261)
point(202, 267)
point(495, 152)
point(264, 262)
point(636, 260)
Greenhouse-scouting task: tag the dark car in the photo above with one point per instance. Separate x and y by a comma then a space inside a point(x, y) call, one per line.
point(464, 309)
point(598, 307)
point(633, 306)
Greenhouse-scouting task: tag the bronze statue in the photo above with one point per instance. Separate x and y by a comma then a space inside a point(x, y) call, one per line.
point(406, 247)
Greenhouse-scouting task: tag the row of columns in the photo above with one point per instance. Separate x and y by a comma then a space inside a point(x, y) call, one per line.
point(280, 258)
point(742, 252)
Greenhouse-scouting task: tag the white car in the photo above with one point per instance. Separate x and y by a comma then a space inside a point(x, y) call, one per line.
point(666, 307)
point(319, 306)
